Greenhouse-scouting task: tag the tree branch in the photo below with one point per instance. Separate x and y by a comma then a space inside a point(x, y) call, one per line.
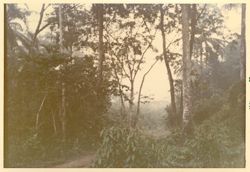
point(39, 22)
point(143, 54)
point(42, 28)
point(202, 11)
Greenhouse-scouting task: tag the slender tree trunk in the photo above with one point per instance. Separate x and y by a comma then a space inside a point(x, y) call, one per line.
point(122, 110)
point(63, 113)
point(100, 47)
point(54, 122)
point(201, 77)
point(243, 43)
point(170, 77)
point(63, 107)
point(39, 23)
point(38, 113)
point(122, 105)
point(140, 91)
point(201, 60)
point(193, 25)
point(186, 86)
point(181, 104)
point(131, 104)
point(60, 29)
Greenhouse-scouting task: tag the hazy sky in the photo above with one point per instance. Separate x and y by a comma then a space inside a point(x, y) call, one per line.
point(156, 83)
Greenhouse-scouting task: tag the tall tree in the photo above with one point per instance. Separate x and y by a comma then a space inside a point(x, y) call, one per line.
point(100, 13)
point(193, 25)
point(63, 103)
point(186, 76)
point(243, 43)
point(167, 60)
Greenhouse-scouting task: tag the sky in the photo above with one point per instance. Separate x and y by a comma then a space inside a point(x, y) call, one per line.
point(156, 84)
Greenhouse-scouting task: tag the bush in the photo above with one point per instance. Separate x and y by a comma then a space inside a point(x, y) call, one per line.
point(216, 142)
point(123, 147)
point(203, 109)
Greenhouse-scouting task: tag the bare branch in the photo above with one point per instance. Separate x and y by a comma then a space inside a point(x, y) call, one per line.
point(42, 28)
point(202, 11)
point(46, 7)
point(143, 54)
point(39, 22)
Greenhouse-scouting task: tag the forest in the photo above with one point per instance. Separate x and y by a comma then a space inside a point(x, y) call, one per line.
point(78, 79)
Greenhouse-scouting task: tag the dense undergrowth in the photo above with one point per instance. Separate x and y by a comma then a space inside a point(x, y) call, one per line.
point(35, 153)
point(218, 139)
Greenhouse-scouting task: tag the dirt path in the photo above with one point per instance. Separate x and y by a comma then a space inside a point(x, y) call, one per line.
point(83, 161)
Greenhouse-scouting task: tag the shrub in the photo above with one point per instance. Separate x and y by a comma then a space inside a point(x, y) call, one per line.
point(123, 147)
point(203, 109)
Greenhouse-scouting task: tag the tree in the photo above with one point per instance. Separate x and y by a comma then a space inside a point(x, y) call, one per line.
point(63, 99)
point(193, 26)
point(39, 28)
point(127, 48)
point(100, 13)
point(167, 60)
point(243, 38)
point(140, 89)
point(243, 43)
point(208, 50)
point(14, 28)
point(186, 76)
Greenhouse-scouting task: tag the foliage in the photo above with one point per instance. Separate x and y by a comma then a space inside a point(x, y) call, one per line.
point(29, 80)
point(122, 147)
point(217, 141)
point(207, 107)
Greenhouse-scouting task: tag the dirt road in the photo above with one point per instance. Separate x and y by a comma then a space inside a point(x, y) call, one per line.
point(83, 162)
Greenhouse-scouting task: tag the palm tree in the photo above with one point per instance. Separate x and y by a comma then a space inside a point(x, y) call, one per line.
point(243, 39)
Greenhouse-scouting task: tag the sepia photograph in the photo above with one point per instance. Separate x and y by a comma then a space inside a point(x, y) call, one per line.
point(124, 85)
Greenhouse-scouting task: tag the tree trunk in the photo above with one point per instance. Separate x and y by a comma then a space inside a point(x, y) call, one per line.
point(243, 44)
point(140, 91)
point(39, 24)
point(38, 113)
point(123, 113)
point(181, 104)
point(170, 77)
point(63, 113)
point(122, 110)
point(63, 108)
point(100, 47)
point(60, 29)
point(131, 104)
point(193, 25)
point(54, 122)
point(201, 75)
point(187, 99)
point(201, 60)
